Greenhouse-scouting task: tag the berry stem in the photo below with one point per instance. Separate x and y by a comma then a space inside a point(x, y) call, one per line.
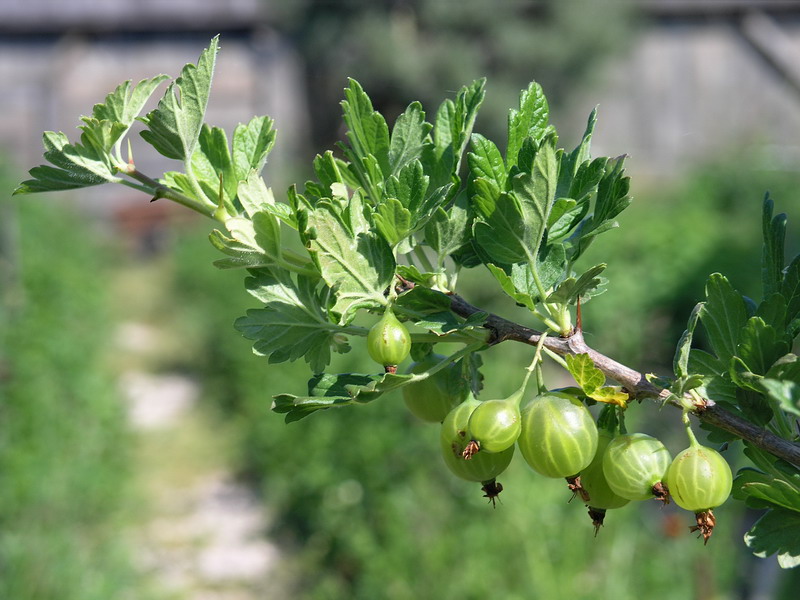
point(516, 397)
point(692, 439)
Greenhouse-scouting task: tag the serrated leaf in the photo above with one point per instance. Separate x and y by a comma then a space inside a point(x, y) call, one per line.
point(773, 311)
point(423, 301)
point(447, 231)
point(588, 377)
point(759, 346)
point(367, 129)
point(212, 163)
point(254, 242)
point(785, 393)
point(576, 160)
point(74, 166)
point(529, 121)
point(510, 230)
point(393, 221)
point(328, 391)
point(569, 290)
point(774, 233)
point(486, 162)
point(358, 267)
point(777, 491)
point(409, 187)
point(409, 136)
point(790, 289)
point(445, 322)
point(451, 133)
point(611, 199)
point(252, 144)
point(523, 297)
point(680, 363)
point(777, 532)
point(123, 105)
point(291, 324)
point(256, 197)
point(723, 315)
point(173, 128)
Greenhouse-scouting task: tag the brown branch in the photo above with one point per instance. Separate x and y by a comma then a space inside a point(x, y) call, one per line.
point(634, 382)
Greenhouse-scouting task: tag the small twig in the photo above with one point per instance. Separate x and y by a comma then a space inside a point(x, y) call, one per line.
point(635, 382)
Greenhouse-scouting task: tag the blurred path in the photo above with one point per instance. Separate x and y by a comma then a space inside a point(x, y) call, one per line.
point(203, 534)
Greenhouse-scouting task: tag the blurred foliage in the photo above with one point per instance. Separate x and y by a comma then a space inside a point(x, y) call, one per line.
point(64, 470)
point(404, 50)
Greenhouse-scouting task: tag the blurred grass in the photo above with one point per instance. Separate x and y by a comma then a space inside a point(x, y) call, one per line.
point(64, 448)
point(361, 498)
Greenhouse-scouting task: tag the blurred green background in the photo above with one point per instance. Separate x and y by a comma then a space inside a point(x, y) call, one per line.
point(359, 503)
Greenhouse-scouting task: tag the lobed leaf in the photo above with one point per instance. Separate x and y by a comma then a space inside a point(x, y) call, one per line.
point(292, 323)
point(723, 315)
point(409, 138)
point(680, 363)
point(73, 166)
point(357, 267)
point(367, 129)
point(774, 233)
point(529, 121)
point(776, 532)
point(173, 128)
point(252, 144)
point(583, 287)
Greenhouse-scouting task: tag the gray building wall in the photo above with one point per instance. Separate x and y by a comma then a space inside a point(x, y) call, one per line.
point(694, 84)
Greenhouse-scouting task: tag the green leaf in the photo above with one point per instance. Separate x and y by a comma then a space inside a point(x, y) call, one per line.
point(529, 121)
point(777, 532)
point(783, 492)
point(331, 391)
point(510, 230)
point(445, 322)
point(773, 311)
point(577, 160)
point(212, 163)
point(291, 323)
point(254, 242)
point(123, 105)
point(252, 144)
point(393, 221)
point(723, 315)
point(592, 380)
point(357, 267)
point(256, 197)
point(451, 133)
point(522, 295)
point(791, 290)
point(569, 290)
point(759, 346)
point(367, 129)
point(501, 232)
point(74, 166)
point(174, 127)
point(447, 231)
point(612, 198)
point(409, 137)
point(421, 301)
point(409, 187)
point(486, 162)
point(782, 383)
point(680, 364)
point(588, 377)
point(774, 232)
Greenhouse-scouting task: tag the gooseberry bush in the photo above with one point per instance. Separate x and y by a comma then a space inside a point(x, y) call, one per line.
point(370, 253)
